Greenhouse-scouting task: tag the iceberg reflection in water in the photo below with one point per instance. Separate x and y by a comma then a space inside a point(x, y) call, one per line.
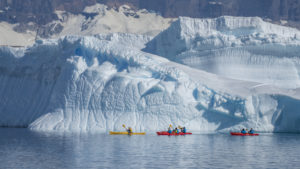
point(22, 148)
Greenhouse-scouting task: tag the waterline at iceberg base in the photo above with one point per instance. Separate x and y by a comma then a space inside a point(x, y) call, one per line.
point(98, 83)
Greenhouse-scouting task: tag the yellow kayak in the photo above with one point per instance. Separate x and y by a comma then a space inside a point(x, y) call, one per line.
point(125, 132)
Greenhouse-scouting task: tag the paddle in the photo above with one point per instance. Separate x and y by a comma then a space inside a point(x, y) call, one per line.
point(126, 129)
point(124, 126)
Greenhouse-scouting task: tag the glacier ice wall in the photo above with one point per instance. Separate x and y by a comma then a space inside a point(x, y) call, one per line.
point(235, 47)
point(99, 83)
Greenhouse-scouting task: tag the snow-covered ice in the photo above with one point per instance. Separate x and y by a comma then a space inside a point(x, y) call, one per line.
point(98, 83)
point(235, 47)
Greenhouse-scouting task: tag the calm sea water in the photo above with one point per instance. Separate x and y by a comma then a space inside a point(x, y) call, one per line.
point(22, 148)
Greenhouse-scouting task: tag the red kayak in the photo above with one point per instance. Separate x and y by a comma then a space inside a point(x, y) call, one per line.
point(165, 133)
point(241, 134)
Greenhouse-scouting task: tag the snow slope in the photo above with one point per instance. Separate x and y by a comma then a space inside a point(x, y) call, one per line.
point(96, 19)
point(98, 83)
point(8, 37)
point(235, 47)
point(103, 20)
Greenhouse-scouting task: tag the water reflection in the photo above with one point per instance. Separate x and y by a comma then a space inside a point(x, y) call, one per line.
point(21, 148)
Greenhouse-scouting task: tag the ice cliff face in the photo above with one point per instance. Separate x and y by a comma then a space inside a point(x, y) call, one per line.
point(235, 47)
point(98, 83)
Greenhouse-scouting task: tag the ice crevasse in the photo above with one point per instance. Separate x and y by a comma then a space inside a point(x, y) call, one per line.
point(98, 83)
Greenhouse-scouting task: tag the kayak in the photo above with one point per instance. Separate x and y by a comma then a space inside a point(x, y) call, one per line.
point(125, 132)
point(241, 134)
point(165, 133)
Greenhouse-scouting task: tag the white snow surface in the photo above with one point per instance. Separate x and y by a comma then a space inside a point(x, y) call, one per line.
point(8, 37)
point(121, 20)
point(97, 83)
point(96, 19)
point(235, 47)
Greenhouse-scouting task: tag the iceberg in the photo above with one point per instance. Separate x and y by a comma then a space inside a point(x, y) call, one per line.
point(98, 83)
point(234, 47)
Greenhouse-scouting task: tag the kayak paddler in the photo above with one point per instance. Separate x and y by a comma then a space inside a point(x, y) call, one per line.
point(176, 130)
point(170, 129)
point(129, 130)
point(243, 131)
point(251, 131)
point(183, 130)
